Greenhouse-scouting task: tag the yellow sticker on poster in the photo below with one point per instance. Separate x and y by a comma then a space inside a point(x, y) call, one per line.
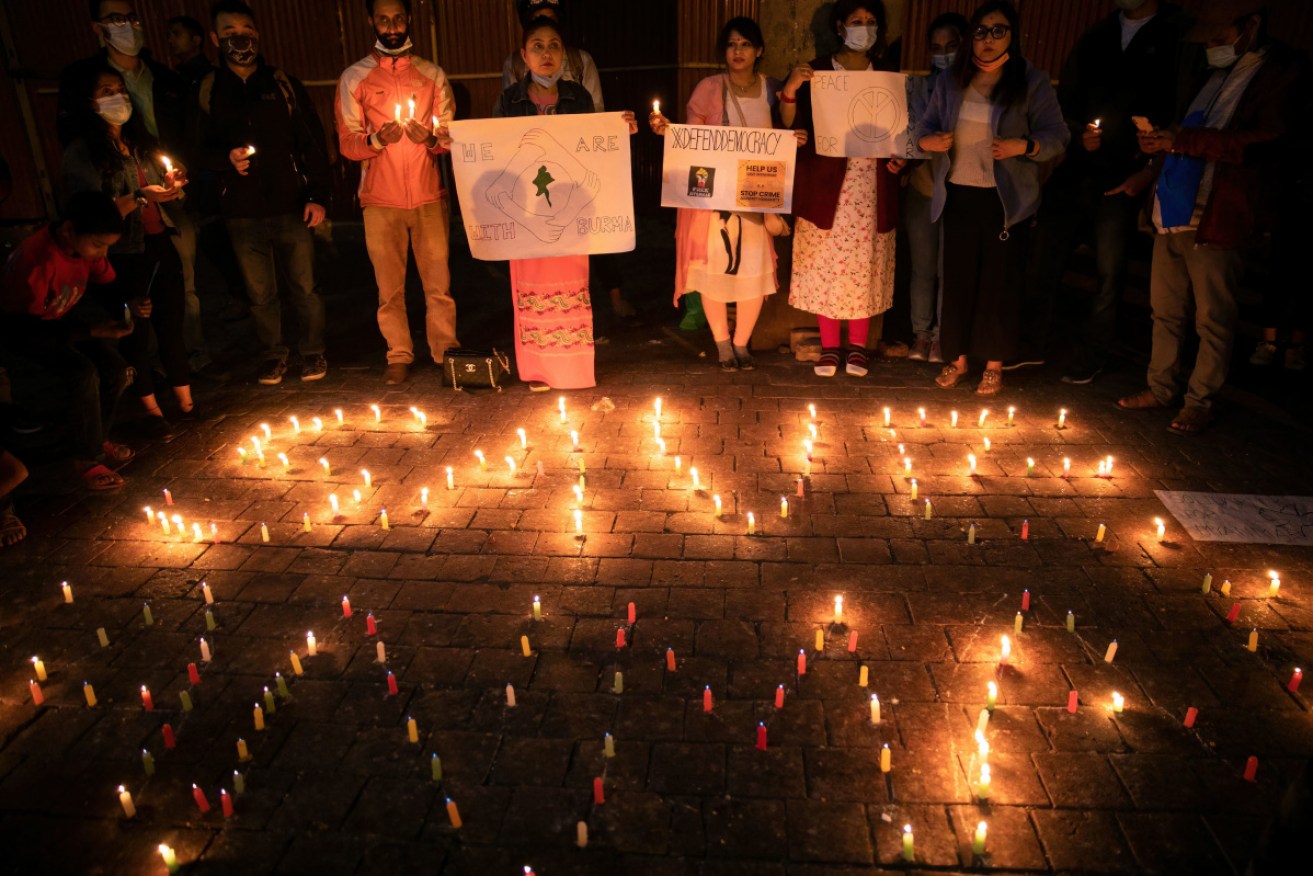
point(761, 185)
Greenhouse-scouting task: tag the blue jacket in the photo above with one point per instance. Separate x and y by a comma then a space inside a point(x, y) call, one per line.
point(1017, 179)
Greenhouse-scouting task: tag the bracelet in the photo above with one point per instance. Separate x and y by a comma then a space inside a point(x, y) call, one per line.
point(786, 99)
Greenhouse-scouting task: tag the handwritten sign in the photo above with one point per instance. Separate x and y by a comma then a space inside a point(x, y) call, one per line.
point(544, 186)
point(861, 114)
point(745, 170)
point(1241, 518)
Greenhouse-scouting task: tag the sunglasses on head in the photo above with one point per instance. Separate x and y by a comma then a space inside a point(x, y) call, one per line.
point(998, 31)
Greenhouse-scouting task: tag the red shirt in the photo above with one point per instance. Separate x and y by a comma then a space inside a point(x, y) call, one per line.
point(42, 280)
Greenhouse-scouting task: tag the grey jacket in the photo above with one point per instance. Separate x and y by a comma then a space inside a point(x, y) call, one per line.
point(82, 175)
point(1038, 117)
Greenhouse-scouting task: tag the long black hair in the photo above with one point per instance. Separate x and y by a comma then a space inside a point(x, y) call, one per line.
point(1011, 88)
point(744, 27)
point(93, 131)
point(844, 8)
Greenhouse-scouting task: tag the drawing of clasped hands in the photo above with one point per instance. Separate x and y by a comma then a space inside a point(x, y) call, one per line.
point(543, 187)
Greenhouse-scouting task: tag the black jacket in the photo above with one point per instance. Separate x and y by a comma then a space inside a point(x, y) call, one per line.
point(1101, 81)
point(272, 112)
point(169, 89)
point(571, 98)
point(195, 69)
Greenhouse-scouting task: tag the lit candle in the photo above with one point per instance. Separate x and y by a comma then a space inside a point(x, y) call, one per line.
point(1018, 622)
point(383, 520)
point(90, 693)
point(337, 412)
point(978, 841)
point(784, 506)
point(886, 758)
point(578, 494)
point(243, 753)
point(971, 464)
point(761, 736)
point(1098, 536)
point(1030, 466)
point(412, 107)
point(752, 524)
point(574, 440)
point(164, 521)
point(1275, 586)
point(424, 497)
point(560, 406)
point(39, 667)
point(578, 522)
point(779, 697)
point(268, 433)
point(952, 418)
point(451, 479)
point(333, 503)
point(206, 655)
point(1295, 678)
point(524, 438)
point(1062, 418)
point(318, 424)
point(1226, 588)
point(281, 684)
point(802, 662)
point(305, 521)
point(907, 466)
point(811, 409)
point(483, 462)
point(661, 446)
point(398, 116)
point(241, 457)
point(838, 609)
point(679, 463)
point(147, 701)
point(435, 768)
point(1118, 702)
point(125, 800)
point(887, 415)
point(328, 470)
point(991, 695)
point(914, 489)
point(670, 659)
point(909, 853)
point(811, 428)
point(707, 702)
point(311, 645)
point(148, 762)
point(716, 500)
point(1005, 651)
point(1071, 622)
point(1012, 413)
point(196, 532)
point(146, 615)
point(929, 510)
point(226, 803)
point(987, 443)
point(1162, 527)
point(1103, 468)
point(264, 533)
point(1109, 469)
point(985, 787)
point(371, 625)
point(656, 428)
point(697, 483)
point(656, 111)
point(412, 731)
point(1066, 467)
point(1252, 644)
point(921, 413)
point(875, 709)
point(166, 853)
point(510, 465)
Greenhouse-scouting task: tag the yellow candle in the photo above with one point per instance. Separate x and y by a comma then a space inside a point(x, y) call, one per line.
point(914, 489)
point(875, 709)
point(971, 463)
point(985, 786)
point(243, 753)
point(537, 609)
point(383, 520)
point(811, 409)
point(1275, 587)
point(784, 506)
point(838, 609)
point(305, 521)
point(1098, 536)
point(1162, 527)
point(886, 758)
point(166, 853)
point(258, 714)
point(863, 677)
point(679, 463)
point(366, 477)
point(412, 731)
point(39, 667)
point(125, 800)
point(908, 848)
point(398, 116)
point(656, 111)
point(1005, 651)
point(752, 524)
point(90, 693)
point(574, 440)
point(1252, 645)
point(264, 532)
point(578, 522)
point(311, 646)
point(987, 443)
point(978, 841)
point(929, 510)
point(412, 107)
point(524, 646)
point(811, 427)
point(820, 640)
point(296, 664)
point(1012, 413)
point(560, 405)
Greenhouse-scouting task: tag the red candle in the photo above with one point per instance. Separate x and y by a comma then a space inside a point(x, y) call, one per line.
point(599, 796)
point(146, 701)
point(1190, 715)
point(706, 699)
point(226, 801)
point(802, 662)
point(1296, 677)
point(779, 697)
point(169, 742)
point(1234, 614)
point(1073, 700)
point(199, 796)
point(346, 607)
point(35, 689)
point(1025, 600)
point(193, 674)
point(633, 613)
point(1251, 769)
point(670, 659)
point(620, 638)
point(371, 628)
point(392, 684)
point(761, 737)
point(852, 642)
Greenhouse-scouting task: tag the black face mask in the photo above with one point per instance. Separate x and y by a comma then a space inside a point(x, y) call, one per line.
point(240, 50)
point(393, 41)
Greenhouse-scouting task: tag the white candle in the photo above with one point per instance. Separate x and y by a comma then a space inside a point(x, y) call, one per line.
point(656, 111)
point(952, 418)
point(560, 404)
point(451, 479)
point(524, 438)
point(784, 506)
point(510, 465)
point(1162, 527)
point(318, 424)
point(983, 415)
point(296, 424)
point(887, 415)
point(697, 484)
point(338, 413)
point(574, 440)
point(268, 433)
point(378, 413)
point(366, 477)
point(398, 114)
point(716, 499)
point(125, 800)
point(578, 522)
point(328, 470)
point(875, 709)
point(752, 524)
point(424, 497)
point(971, 462)
point(206, 656)
point(333, 503)
point(656, 406)
point(382, 653)
point(1118, 702)
point(1062, 418)
point(1012, 413)
point(1275, 587)
point(311, 646)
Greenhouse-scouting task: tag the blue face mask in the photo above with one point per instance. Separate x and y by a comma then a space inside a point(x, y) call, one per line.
point(547, 81)
point(942, 61)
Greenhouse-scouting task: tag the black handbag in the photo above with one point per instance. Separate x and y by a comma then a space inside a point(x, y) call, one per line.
point(475, 369)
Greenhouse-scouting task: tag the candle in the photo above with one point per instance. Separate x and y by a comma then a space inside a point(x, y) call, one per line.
point(620, 638)
point(102, 637)
point(1111, 652)
point(560, 405)
point(706, 699)
point(820, 640)
point(1226, 588)
point(312, 647)
point(1275, 586)
point(412, 107)
point(510, 465)
point(886, 758)
point(185, 698)
point(952, 418)
point(241, 457)
point(206, 656)
point(1018, 622)
point(169, 741)
point(752, 524)
point(716, 500)
point(987, 443)
point(1109, 464)
point(1062, 418)
point(337, 412)
point(908, 850)
point(1098, 536)
point(875, 709)
point(435, 768)
point(761, 736)
point(453, 814)
point(802, 662)
point(679, 463)
point(398, 116)
point(656, 111)
point(661, 446)
point(693, 474)
point(39, 667)
point(371, 626)
point(1025, 536)
point(1005, 651)
point(929, 510)
point(852, 642)
point(887, 415)
point(978, 841)
point(1162, 527)
point(318, 424)
point(383, 520)
point(991, 696)
point(510, 695)
point(618, 686)
point(147, 701)
point(863, 676)
point(1234, 614)
point(264, 533)
point(199, 796)
point(779, 697)
point(281, 684)
point(381, 652)
point(1103, 468)
point(334, 504)
point(921, 413)
point(90, 693)
point(1030, 466)
point(1251, 769)
point(983, 415)
point(784, 506)
point(226, 803)
point(656, 429)
point(148, 762)
point(1252, 644)
point(258, 714)
point(907, 466)
point(985, 786)
point(323, 461)
point(812, 430)
point(1295, 678)
point(1071, 622)
point(670, 659)
point(914, 489)
point(268, 433)
point(971, 464)
point(1118, 702)
point(166, 853)
point(483, 462)
point(578, 523)
point(1012, 413)
point(608, 745)
point(296, 663)
point(524, 438)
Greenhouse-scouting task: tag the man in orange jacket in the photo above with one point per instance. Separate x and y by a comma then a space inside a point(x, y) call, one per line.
point(389, 105)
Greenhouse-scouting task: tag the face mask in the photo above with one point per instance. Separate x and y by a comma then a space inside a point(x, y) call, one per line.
point(989, 66)
point(394, 44)
point(860, 38)
point(547, 81)
point(942, 62)
point(115, 109)
point(124, 38)
point(1128, 5)
point(1221, 57)
point(241, 50)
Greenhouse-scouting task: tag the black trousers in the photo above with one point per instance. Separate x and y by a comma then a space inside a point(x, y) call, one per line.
point(164, 330)
point(983, 277)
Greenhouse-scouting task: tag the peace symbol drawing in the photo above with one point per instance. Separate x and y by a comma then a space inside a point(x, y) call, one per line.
point(874, 114)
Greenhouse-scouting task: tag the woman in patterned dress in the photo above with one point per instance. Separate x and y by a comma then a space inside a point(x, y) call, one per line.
point(553, 311)
point(846, 208)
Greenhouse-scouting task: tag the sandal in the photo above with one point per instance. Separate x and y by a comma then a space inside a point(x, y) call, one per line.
point(98, 479)
point(12, 530)
point(1191, 421)
point(950, 377)
point(117, 454)
point(1141, 401)
point(991, 382)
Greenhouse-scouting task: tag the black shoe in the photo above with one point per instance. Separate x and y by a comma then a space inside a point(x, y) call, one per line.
point(1080, 375)
point(729, 365)
point(314, 368)
point(1023, 362)
point(746, 363)
point(272, 371)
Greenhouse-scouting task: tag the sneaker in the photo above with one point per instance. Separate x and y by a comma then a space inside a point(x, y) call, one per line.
point(1296, 358)
point(272, 371)
point(1023, 362)
point(920, 351)
point(313, 368)
point(857, 365)
point(1264, 354)
point(828, 364)
point(1080, 375)
point(936, 352)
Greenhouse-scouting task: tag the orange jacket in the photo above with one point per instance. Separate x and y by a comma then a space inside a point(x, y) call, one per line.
point(403, 174)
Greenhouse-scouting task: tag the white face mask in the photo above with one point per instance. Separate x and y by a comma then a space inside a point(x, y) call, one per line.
point(942, 62)
point(548, 81)
point(860, 38)
point(125, 38)
point(1221, 57)
point(402, 49)
point(115, 109)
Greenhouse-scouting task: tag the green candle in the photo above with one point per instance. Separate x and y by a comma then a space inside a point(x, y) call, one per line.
point(209, 620)
point(147, 762)
point(282, 685)
point(1208, 582)
point(239, 783)
point(908, 852)
point(1071, 622)
point(269, 705)
point(435, 765)
point(186, 700)
point(146, 615)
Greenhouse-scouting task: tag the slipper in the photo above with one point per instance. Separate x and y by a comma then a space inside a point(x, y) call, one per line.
point(1191, 421)
point(12, 530)
point(118, 454)
point(1141, 401)
point(98, 479)
point(950, 376)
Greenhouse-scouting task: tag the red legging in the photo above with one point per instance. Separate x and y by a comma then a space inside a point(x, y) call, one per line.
point(858, 329)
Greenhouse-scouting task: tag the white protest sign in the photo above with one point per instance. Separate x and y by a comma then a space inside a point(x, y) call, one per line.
point(860, 114)
point(1241, 518)
point(747, 170)
point(544, 186)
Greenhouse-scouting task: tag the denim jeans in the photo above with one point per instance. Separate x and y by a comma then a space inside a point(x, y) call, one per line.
point(923, 246)
point(1067, 215)
point(258, 244)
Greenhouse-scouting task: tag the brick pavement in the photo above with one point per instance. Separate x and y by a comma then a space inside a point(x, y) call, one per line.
point(333, 785)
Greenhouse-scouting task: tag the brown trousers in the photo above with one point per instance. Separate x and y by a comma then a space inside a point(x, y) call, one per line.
point(390, 233)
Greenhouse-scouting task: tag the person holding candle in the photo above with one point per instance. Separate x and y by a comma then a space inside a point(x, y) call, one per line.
point(846, 208)
point(1216, 179)
point(114, 153)
point(553, 313)
point(729, 258)
point(405, 205)
point(989, 126)
point(259, 132)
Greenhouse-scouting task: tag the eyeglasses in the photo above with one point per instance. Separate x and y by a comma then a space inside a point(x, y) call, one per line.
point(998, 31)
point(116, 19)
